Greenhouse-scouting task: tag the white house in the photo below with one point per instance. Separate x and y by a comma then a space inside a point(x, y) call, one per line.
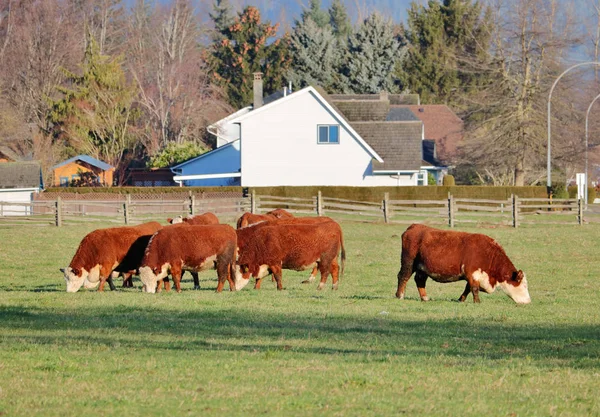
point(302, 139)
point(19, 181)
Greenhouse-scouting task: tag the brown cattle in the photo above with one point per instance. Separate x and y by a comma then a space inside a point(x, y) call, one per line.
point(248, 219)
point(449, 256)
point(198, 219)
point(191, 248)
point(271, 248)
point(102, 251)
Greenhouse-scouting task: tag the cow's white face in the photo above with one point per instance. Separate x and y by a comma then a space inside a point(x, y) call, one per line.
point(73, 280)
point(92, 279)
point(177, 219)
point(519, 293)
point(150, 278)
point(241, 276)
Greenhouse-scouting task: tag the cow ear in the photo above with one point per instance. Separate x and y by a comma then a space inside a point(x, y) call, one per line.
point(518, 276)
point(62, 270)
point(75, 271)
point(169, 220)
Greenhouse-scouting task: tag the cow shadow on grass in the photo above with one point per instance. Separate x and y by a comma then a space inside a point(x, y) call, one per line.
point(243, 330)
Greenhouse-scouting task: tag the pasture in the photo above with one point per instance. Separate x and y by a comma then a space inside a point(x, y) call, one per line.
point(354, 352)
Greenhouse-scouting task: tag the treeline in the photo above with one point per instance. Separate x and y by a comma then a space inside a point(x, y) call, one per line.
point(138, 85)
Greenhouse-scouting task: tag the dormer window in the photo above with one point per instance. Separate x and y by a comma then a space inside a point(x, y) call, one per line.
point(328, 134)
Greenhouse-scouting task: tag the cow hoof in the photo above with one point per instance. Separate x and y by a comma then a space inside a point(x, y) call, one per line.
point(424, 298)
point(400, 296)
point(319, 288)
point(306, 281)
point(196, 287)
point(334, 287)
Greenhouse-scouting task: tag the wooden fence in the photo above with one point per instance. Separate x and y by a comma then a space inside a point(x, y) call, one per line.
point(452, 211)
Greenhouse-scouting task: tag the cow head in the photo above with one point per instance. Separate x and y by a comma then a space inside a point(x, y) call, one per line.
point(176, 220)
point(516, 287)
point(242, 276)
point(74, 278)
point(150, 277)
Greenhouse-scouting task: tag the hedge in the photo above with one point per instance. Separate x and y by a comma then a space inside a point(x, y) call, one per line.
point(349, 193)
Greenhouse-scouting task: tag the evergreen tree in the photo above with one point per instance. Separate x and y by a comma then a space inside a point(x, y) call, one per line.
point(245, 50)
point(313, 55)
point(96, 115)
point(449, 41)
point(373, 52)
point(319, 16)
point(222, 19)
point(339, 20)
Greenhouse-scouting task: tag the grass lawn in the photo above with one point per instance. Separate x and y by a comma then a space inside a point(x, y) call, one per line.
point(354, 352)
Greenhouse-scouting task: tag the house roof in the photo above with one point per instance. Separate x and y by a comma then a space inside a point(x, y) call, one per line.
point(321, 96)
point(220, 148)
point(399, 143)
point(442, 125)
point(9, 153)
point(405, 99)
point(88, 160)
point(20, 175)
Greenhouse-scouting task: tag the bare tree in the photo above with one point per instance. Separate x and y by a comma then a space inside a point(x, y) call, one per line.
point(506, 118)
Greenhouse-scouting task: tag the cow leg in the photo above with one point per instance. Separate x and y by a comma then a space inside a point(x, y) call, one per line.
point(196, 280)
point(465, 293)
point(257, 283)
point(105, 276)
point(312, 277)
point(176, 275)
point(474, 287)
point(421, 280)
point(127, 280)
point(277, 272)
point(404, 274)
point(335, 274)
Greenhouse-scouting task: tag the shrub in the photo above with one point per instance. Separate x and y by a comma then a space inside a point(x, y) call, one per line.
point(448, 181)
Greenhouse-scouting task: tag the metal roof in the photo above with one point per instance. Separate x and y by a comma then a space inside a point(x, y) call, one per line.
point(88, 160)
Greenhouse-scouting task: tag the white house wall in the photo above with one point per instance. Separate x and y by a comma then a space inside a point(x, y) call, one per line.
point(279, 147)
point(8, 196)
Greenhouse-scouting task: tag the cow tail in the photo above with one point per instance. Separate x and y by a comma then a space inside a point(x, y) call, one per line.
point(343, 254)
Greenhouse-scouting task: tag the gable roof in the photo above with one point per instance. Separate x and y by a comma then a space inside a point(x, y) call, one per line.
point(209, 153)
point(323, 101)
point(88, 160)
point(406, 99)
point(399, 143)
point(20, 175)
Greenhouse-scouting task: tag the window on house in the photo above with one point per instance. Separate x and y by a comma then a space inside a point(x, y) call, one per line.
point(329, 134)
point(64, 181)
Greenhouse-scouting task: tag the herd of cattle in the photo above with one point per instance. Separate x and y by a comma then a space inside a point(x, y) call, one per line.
point(266, 244)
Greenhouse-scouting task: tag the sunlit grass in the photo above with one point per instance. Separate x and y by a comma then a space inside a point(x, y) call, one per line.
point(357, 351)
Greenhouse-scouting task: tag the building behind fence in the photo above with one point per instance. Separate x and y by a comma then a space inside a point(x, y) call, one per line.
point(68, 208)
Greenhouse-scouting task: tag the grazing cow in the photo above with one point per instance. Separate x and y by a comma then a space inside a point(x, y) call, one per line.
point(190, 248)
point(272, 247)
point(198, 219)
point(248, 219)
point(449, 256)
point(101, 252)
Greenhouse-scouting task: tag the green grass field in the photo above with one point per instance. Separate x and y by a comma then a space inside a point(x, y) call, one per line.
point(354, 352)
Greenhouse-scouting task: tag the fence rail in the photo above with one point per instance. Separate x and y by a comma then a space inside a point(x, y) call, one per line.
point(513, 212)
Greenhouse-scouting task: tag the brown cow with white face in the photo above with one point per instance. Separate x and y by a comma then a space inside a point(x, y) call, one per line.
point(449, 256)
point(198, 219)
point(271, 248)
point(191, 248)
point(102, 251)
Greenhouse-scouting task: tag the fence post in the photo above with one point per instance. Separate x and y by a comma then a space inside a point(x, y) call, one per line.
point(253, 202)
point(58, 212)
point(319, 203)
point(580, 211)
point(386, 207)
point(450, 210)
point(515, 210)
point(1, 209)
point(126, 208)
point(192, 203)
